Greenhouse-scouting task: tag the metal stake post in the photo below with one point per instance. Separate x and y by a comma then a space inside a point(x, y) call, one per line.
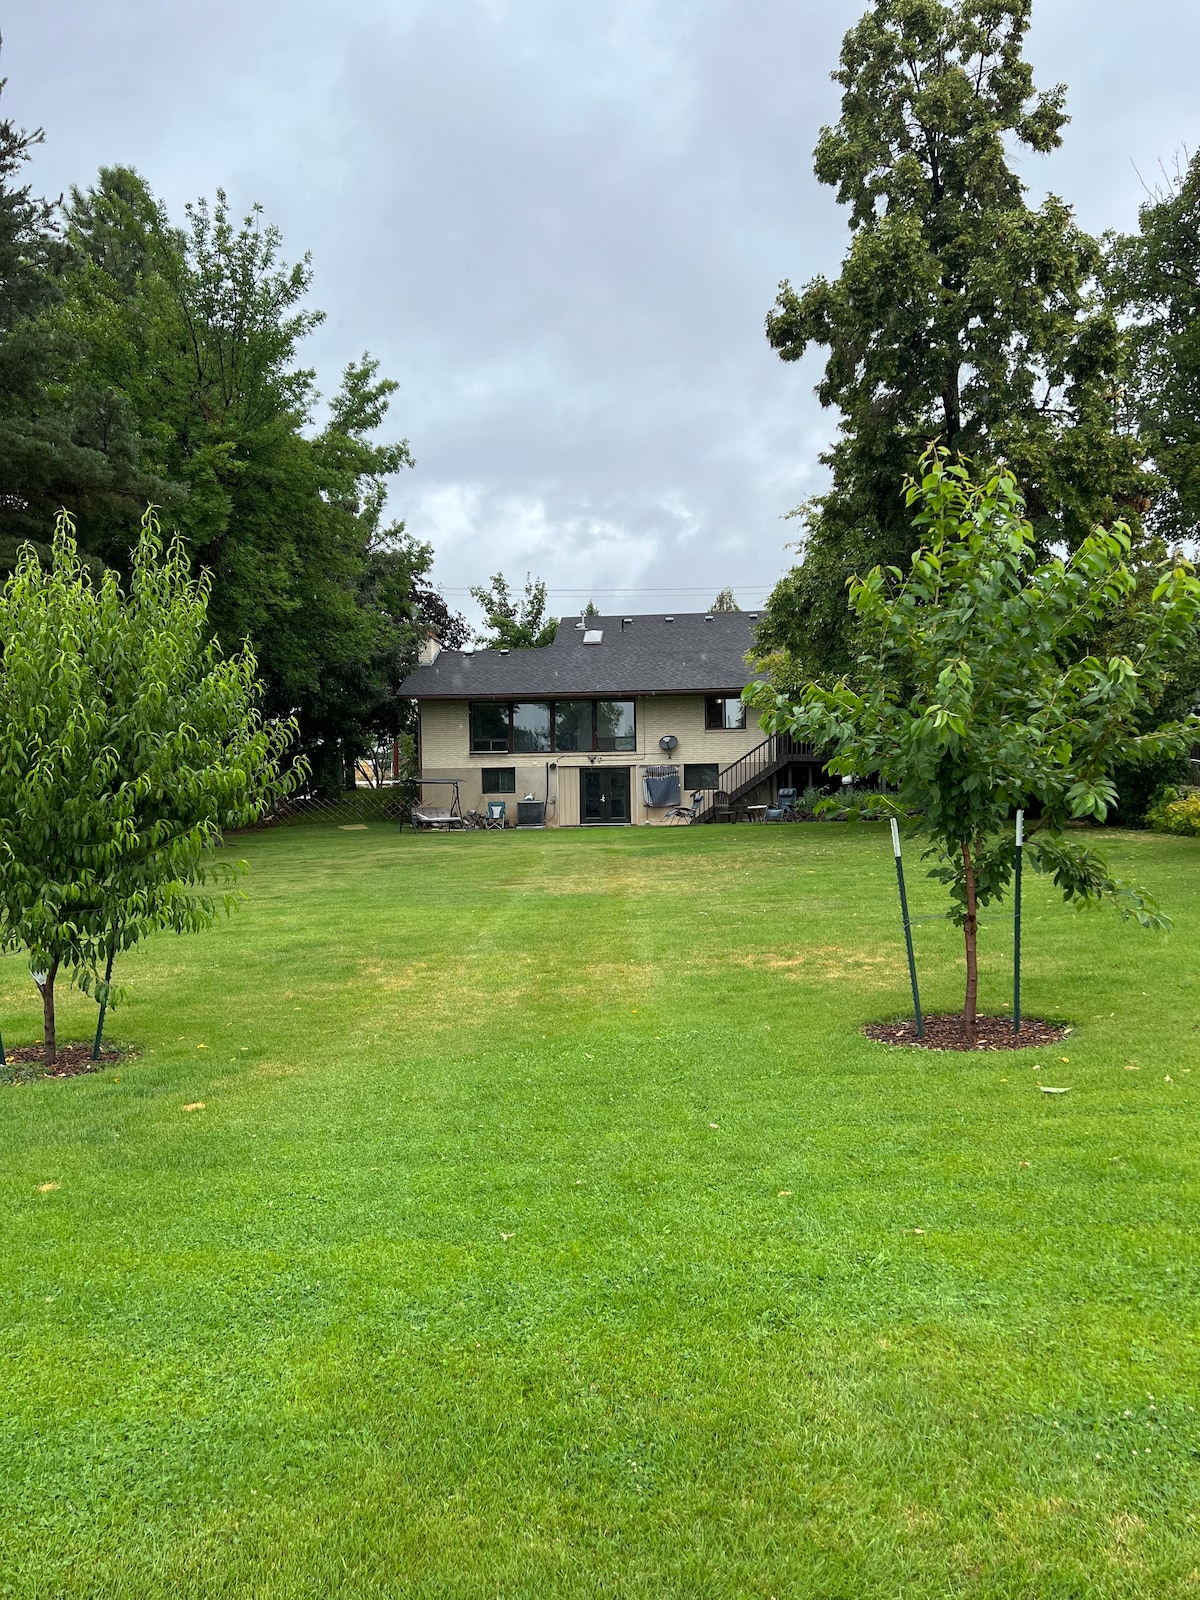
point(104, 1003)
point(1017, 923)
point(912, 960)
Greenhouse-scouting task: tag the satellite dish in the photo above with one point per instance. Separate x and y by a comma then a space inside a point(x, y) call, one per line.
point(668, 742)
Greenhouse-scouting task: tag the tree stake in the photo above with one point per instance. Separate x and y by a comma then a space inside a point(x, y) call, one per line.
point(912, 960)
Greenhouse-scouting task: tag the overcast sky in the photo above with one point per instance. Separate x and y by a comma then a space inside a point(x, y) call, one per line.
point(560, 226)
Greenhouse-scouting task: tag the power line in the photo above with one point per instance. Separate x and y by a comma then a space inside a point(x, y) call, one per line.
point(675, 588)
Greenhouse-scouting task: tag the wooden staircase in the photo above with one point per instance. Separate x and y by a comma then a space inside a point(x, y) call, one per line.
point(743, 775)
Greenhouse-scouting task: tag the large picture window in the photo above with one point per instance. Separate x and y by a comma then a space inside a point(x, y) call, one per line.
point(614, 725)
point(539, 727)
point(573, 725)
point(531, 727)
point(724, 711)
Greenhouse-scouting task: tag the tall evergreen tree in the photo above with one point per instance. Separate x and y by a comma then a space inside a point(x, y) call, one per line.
point(960, 312)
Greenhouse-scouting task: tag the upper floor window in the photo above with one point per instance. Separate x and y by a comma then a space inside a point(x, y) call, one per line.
point(490, 726)
point(531, 721)
point(724, 711)
point(538, 727)
point(614, 725)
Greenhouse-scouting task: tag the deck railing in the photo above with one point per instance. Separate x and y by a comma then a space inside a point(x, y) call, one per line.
point(766, 758)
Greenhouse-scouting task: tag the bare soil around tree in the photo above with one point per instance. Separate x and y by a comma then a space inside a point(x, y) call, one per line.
point(991, 1033)
point(28, 1063)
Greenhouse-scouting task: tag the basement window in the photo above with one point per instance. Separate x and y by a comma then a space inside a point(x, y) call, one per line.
point(700, 775)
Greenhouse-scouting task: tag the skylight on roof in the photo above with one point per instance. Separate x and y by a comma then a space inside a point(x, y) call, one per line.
point(594, 636)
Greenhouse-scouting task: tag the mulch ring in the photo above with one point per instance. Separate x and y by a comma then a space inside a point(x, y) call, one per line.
point(992, 1033)
point(27, 1063)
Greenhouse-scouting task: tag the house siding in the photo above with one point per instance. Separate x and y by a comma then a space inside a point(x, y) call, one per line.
point(445, 753)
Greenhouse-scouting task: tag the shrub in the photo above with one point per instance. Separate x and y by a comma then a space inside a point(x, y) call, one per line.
point(1176, 813)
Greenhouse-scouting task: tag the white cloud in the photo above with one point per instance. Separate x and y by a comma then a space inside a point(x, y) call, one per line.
point(560, 227)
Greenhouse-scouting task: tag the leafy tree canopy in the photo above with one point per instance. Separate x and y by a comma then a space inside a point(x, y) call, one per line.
point(195, 332)
point(512, 621)
point(974, 695)
point(725, 601)
point(960, 312)
point(61, 442)
point(1157, 281)
point(128, 742)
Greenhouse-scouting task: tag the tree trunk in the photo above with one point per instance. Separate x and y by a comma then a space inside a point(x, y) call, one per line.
point(970, 932)
point(951, 407)
point(50, 1036)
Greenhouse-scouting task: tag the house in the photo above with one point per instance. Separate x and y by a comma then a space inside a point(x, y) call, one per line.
point(611, 724)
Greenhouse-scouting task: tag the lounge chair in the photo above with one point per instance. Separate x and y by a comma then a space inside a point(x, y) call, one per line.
point(685, 814)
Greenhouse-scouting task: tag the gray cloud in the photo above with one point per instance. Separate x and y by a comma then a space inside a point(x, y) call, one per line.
point(560, 227)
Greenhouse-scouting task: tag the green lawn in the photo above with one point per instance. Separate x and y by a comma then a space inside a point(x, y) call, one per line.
point(550, 1230)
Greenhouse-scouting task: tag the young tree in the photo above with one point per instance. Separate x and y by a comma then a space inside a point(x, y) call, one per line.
point(972, 697)
point(516, 622)
point(725, 601)
point(127, 744)
point(960, 312)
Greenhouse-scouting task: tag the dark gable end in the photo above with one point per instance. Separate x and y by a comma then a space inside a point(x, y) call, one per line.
point(689, 653)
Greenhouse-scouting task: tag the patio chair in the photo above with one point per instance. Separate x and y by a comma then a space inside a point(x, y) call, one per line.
point(724, 809)
point(784, 810)
point(497, 814)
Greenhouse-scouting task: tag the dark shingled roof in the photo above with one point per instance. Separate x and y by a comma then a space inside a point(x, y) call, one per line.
point(660, 654)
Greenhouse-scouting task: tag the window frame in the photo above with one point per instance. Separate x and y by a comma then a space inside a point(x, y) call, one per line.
point(716, 720)
point(493, 787)
point(479, 750)
point(536, 750)
point(506, 706)
point(690, 766)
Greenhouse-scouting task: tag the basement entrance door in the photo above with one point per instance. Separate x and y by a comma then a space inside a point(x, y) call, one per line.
point(604, 794)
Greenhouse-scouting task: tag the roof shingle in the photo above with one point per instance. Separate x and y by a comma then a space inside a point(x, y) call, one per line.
point(673, 653)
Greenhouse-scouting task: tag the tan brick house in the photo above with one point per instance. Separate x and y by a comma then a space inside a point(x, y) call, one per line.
point(612, 723)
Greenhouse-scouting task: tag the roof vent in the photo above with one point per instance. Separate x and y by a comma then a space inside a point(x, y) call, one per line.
point(753, 615)
point(581, 623)
point(708, 619)
point(594, 636)
point(504, 652)
point(668, 619)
